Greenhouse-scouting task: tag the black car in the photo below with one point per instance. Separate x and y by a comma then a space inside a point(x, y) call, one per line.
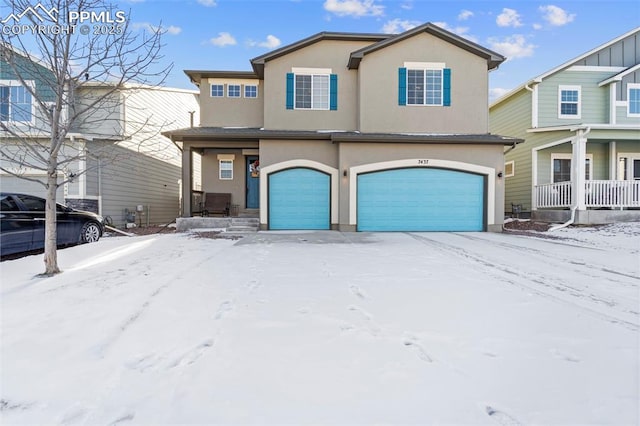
point(22, 219)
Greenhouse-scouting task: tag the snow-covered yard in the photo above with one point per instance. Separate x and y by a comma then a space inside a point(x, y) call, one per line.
point(327, 328)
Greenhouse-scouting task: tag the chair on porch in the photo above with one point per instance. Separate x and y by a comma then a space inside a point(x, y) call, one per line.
point(216, 203)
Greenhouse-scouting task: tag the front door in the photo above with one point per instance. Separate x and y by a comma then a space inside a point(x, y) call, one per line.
point(253, 182)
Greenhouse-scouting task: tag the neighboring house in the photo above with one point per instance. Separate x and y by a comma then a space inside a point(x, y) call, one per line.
point(581, 122)
point(122, 160)
point(367, 132)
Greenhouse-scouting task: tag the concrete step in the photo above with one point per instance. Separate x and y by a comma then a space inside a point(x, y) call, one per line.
point(244, 225)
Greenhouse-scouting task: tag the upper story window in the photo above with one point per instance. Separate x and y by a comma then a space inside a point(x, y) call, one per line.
point(233, 90)
point(633, 99)
point(424, 83)
point(250, 91)
point(16, 104)
point(569, 101)
point(217, 90)
point(312, 89)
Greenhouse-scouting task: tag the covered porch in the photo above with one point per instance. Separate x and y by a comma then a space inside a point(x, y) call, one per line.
point(595, 172)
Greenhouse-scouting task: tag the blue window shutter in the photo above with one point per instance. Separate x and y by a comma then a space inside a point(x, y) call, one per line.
point(402, 86)
point(333, 92)
point(290, 90)
point(446, 83)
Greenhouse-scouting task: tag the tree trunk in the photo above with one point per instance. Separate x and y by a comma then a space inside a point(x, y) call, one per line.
point(50, 224)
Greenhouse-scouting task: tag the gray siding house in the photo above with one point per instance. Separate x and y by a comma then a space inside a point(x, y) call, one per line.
point(581, 122)
point(356, 132)
point(120, 159)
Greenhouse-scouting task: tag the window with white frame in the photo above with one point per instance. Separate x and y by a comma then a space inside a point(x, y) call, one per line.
point(561, 167)
point(226, 169)
point(629, 166)
point(424, 87)
point(250, 91)
point(509, 169)
point(312, 91)
point(16, 104)
point(569, 101)
point(217, 90)
point(233, 90)
point(633, 99)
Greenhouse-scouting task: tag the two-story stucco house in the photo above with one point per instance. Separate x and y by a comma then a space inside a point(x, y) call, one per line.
point(366, 132)
point(581, 121)
point(114, 158)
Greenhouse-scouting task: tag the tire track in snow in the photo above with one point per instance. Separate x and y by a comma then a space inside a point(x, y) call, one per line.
point(549, 287)
point(561, 260)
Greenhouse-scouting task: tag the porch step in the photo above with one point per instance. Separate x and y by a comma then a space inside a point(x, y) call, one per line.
point(241, 225)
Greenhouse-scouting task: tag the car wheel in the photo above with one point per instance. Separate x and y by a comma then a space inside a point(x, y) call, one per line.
point(90, 233)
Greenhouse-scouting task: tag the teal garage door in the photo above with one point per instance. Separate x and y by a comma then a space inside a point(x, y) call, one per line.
point(421, 199)
point(299, 198)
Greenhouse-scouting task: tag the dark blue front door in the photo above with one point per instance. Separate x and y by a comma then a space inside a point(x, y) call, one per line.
point(253, 182)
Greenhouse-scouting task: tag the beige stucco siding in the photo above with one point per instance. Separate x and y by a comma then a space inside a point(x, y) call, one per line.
point(231, 112)
point(378, 89)
point(211, 181)
point(327, 54)
point(277, 151)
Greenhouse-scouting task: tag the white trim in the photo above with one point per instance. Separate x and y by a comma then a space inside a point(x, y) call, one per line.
point(594, 68)
point(612, 103)
point(311, 71)
point(425, 65)
point(574, 127)
point(534, 106)
point(489, 172)
point(621, 104)
point(244, 91)
point(630, 86)
point(265, 171)
point(513, 169)
point(569, 156)
point(619, 76)
point(562, 88)
point(211, 90)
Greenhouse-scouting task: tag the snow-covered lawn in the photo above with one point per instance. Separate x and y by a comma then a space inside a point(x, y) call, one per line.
point(327, 328)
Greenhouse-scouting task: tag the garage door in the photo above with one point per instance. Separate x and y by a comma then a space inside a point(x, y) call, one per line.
point(420, 199)
point(299, 199)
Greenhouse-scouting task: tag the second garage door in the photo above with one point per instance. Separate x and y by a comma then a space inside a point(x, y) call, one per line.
point(421, 199)
point(299, 198)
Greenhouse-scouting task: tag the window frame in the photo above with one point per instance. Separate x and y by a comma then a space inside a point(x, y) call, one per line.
point(425, 67)
point(578, 103)
point(630, 87)
point(247, 86)
point(17, 84)
point(225, 169)
point(221, 95)
point(567, 156)
point(234, 86)
point(313, 76)
point(628, 171)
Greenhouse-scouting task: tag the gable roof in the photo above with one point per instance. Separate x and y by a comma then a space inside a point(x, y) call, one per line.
point(258, 62)
point(564, 66)
point(197, 75)
point(619, 76)
point(493, 59)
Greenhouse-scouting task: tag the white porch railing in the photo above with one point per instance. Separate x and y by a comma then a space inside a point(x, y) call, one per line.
point(553, 195)
point(598, 193)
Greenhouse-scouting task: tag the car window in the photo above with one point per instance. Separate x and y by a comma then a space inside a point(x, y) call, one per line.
point(8, 205)
point(33, 204)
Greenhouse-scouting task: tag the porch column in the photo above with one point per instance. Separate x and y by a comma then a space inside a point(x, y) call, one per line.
point(186, 180)
point(534, 178)
point(613, 161)
point(578, 169)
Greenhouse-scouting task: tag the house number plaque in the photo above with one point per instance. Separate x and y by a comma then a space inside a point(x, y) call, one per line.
point(423, 162)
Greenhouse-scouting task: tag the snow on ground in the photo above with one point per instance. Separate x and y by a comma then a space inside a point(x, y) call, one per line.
point(327, 328)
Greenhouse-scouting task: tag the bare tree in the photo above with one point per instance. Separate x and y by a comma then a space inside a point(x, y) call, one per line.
point(65, 46)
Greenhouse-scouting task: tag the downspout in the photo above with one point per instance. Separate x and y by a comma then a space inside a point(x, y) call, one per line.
point(511, 148)
point(574, 207)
